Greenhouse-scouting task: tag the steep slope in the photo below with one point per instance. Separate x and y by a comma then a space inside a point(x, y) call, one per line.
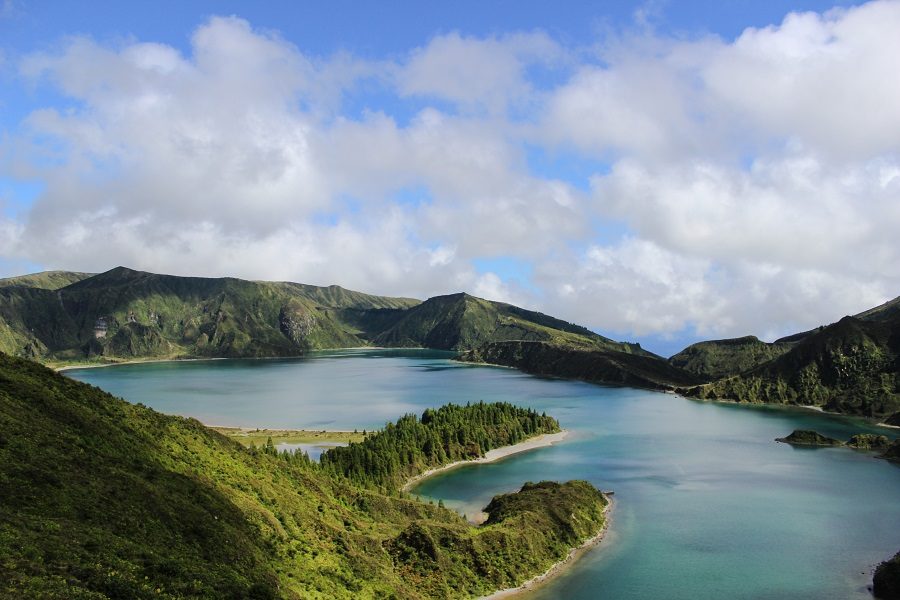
point(589, 364)
point(463, 322)
point(852, 366)
point(104, 499)
point(45, 280)
point(132, 314)
point(716, 359)
point(126, 314)
point(884, 312)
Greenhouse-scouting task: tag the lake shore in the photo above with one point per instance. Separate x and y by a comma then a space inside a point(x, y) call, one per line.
point(494, 455)
point(141, 361)
point(560, 567)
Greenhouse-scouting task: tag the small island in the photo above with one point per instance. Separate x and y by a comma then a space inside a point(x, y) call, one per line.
point(807, 437)
point(889, 450)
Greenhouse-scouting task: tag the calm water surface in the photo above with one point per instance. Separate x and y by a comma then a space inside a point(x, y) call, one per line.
point(707, 504)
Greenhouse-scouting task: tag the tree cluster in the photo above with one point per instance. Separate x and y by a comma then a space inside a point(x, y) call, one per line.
point(412, 445)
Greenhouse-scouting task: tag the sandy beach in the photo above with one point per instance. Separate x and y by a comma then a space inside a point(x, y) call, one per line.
point(496, 454)
point(570, 559)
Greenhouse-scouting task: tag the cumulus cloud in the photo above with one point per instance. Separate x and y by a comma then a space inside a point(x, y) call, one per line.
point(752, 185)
point(488, 73)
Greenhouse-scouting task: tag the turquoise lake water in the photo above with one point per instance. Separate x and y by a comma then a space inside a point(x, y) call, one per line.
point(707, 505)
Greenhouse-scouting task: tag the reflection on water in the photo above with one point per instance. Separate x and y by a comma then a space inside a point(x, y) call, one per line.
point(708, 505)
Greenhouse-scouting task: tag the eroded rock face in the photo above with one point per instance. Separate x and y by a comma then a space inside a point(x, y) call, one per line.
point(296, 324)
point(886, 584)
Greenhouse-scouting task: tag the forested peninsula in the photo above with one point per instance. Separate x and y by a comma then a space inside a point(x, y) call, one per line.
point(105, 499)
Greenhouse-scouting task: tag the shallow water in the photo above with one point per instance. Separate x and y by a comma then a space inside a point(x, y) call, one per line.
point(707, 505)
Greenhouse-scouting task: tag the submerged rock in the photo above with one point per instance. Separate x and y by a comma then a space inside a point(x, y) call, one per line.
point(807, 437)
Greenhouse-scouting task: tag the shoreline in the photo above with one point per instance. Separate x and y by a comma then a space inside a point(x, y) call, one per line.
point(559, 567)
point(540, 441)
point(140, 361)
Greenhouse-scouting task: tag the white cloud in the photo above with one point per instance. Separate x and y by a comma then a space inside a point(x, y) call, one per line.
point(753, 186)
point(474, 72)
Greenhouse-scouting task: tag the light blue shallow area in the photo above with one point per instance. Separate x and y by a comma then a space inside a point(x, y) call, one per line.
point(707, 505)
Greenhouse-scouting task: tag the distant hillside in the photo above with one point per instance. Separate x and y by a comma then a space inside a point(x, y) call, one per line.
point(461, 321)
point(127, 314)
point(722, 358)
point(131, 314)
point(46, 280)
point(104, 499)
point(588, 364)
point(852, 366)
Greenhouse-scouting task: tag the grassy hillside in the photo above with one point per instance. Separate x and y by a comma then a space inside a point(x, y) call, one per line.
point(462, 322)
point(46, 280)
point(585, 363)
point(852, 366)
point(104, 499)
point(130, 314)
point(716, 359)
point(126, 314)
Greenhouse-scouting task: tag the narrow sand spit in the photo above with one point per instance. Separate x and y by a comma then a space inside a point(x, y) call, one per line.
point(494, 455)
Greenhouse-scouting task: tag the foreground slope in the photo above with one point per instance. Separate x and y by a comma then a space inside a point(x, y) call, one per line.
point(104, 499)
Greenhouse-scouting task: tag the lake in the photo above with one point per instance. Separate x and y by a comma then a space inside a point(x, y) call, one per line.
point(707, 505)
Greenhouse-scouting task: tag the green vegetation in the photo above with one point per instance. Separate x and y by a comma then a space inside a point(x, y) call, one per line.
point(104, 499)
point(579, 362)
point(461, 322)
point(806, 437)
point(869, 441)
point(46, 280)
point(886, 583)
point(861, 441)
point(258, 437)
point(893, 451)
point(451, 433)
point(852, 366)
point(126, 315)
point(723, 358)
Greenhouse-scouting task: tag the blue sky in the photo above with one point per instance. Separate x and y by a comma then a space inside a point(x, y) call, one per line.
point(660, 172)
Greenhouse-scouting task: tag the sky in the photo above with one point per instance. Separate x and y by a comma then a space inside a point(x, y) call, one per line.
point(660, 172)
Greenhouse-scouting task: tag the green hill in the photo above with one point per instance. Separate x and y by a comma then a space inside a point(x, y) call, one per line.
point(461, 322)
point(722, 358)
point(46, 280)
point(852, 366)
point(126, 314)
point(131, 314)
point(104, 499)
point(587, 363)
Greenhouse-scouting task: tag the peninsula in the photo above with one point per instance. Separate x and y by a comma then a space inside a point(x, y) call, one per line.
point(109, 498)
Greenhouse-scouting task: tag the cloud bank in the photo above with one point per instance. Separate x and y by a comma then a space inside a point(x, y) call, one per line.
point(736, 186)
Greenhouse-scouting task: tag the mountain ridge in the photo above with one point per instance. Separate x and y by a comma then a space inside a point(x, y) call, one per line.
point(129, 314)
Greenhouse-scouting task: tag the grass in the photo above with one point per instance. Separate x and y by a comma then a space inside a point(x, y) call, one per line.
point(104, 499)
point(258, 437)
